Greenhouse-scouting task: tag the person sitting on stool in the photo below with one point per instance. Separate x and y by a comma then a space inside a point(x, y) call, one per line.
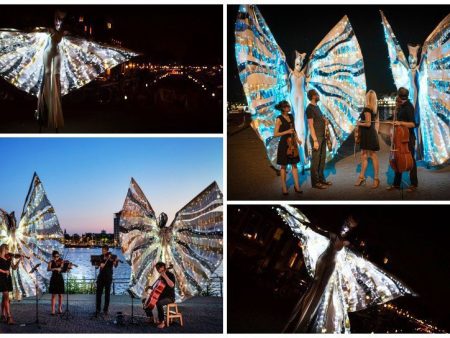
point(167, 296)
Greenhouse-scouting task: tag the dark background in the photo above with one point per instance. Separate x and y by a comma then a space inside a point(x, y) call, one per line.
point(303, 27)
point(414, 238)
point(167, 33)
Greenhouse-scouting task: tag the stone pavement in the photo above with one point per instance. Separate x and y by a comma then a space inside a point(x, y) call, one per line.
point(250, 176)
point(200, 314)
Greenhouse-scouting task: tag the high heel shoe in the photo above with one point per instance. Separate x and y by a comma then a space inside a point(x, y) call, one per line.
point(284, 192)
point(299, 191)
point(10, 321)
point(376, 183)
point(360, 181)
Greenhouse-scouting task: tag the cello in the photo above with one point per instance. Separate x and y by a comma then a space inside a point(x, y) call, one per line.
point(400, 158)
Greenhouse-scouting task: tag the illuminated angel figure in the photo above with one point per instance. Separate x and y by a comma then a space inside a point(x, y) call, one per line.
point(343, 281)
point(427, 77)
point(36, 236)
point(192, 243)
point(49, 63)
point(335, 69)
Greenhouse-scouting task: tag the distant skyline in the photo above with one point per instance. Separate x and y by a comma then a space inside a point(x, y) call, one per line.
point(87, 179)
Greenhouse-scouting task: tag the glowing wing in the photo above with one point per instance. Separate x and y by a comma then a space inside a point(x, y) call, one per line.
point(21, 56)
point(139, 237)
point(434, 94)
point(401, 71)
point(197, 241)
point(82, 61)
point(336, 71)
point(263, 72)
point(4, 226)
point(37, 235)
point(312, 243)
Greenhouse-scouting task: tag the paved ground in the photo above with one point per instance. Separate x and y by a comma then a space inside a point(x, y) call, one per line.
point(200, 314)
point(250, 176)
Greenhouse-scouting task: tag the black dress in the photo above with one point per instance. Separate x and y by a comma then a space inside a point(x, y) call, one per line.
point(5, 281)
point(56, 281)
point(369, 135)
point(282, 158)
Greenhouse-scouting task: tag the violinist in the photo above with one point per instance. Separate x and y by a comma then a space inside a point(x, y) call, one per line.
point(6, 285)
point(56, 281)
point(405, 117)
point(107, 263)
point(287, 153)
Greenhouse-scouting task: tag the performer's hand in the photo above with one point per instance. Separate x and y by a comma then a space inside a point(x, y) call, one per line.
point(316, 145)
point(299, 142)
point(7, 273)
point(290, 131)
point(102, 265)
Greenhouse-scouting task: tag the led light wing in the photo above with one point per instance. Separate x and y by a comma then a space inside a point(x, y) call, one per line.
point(36, 236)
point(83, 61)
point(336, 71)
point(401, 71)
point(434, 95)
point(21, 56)
point(263, 72)
point(197, 241)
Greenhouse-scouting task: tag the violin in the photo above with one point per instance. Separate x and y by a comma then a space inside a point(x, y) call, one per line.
point(292, 149)
point(112, 257)
point(400, 157)
point(65, 264)
point(16, 255)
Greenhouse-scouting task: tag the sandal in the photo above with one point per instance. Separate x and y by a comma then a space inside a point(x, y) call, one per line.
point(376, 183)
point(361, 181)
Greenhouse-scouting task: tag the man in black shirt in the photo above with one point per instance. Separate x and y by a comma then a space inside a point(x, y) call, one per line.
point(406, 118)
point(317, 125)
point(104, 279)
point(167, 296)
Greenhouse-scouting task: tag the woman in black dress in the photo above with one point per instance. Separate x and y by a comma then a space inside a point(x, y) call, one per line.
point(284, 127)
point(6, 285)
point(368, 127)
point(56, 281)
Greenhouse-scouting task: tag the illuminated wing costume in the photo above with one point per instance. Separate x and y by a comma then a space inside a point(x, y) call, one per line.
point(49, 65)
point(192, 243)
point(342, 280)
point(426, 76)
point(36, 236)
point(335, 69)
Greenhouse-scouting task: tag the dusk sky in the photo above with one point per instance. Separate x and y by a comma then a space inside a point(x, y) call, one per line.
point(86, 179)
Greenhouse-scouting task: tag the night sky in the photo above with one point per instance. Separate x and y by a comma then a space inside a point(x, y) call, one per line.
point(414, 238)
point(302, 27)
point(165, 33)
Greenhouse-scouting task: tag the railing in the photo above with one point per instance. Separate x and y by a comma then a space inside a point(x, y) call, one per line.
point(89, 286)
point(214, 287)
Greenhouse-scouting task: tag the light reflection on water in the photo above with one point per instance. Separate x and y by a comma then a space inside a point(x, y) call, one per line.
point(82, 258)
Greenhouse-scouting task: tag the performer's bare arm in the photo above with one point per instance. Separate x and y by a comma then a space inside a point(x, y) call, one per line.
point(313, 134)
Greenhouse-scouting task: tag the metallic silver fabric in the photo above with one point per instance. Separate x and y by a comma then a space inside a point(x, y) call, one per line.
point(343, 281)
point(36, 236)
point(192, 243)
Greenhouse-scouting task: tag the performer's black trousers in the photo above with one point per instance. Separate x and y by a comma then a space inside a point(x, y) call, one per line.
point(160, 306)
point(103, 284)
point(318, 161)
point(412, 174)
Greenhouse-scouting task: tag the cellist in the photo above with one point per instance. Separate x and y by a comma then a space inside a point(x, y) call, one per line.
point(167, 295)
point(405, 117)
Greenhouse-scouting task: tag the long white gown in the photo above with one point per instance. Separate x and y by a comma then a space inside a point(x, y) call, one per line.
point(343, 281)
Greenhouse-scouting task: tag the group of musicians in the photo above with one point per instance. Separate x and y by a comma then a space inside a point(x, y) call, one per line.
point(320, 140)
point(106, 264)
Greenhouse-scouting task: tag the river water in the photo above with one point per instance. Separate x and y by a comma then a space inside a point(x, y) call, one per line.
point(82, 258)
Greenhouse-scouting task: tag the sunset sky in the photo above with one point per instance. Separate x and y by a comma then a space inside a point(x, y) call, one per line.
point(86, 179)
